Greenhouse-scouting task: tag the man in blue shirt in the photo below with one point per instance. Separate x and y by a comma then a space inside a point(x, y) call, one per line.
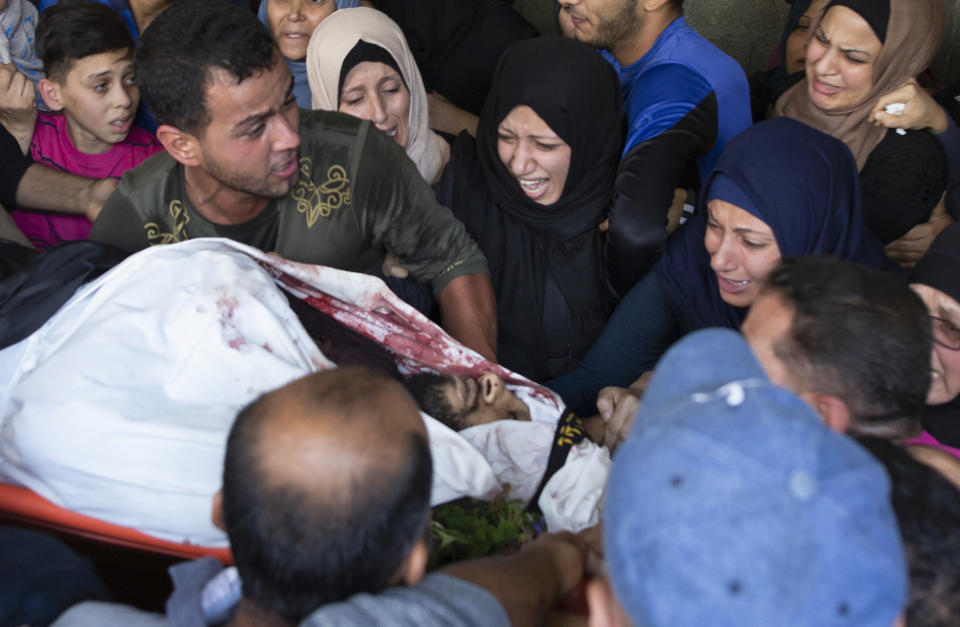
point(684, 98)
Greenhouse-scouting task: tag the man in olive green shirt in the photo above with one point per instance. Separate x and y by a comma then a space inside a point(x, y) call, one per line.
point(243, 163)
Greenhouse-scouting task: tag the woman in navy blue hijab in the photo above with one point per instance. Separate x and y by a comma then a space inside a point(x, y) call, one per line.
point(780, 189)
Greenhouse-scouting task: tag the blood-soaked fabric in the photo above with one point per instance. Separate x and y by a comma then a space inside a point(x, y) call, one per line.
point(341, 344)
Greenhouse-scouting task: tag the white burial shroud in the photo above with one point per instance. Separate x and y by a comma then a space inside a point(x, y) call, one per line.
point(119, 406)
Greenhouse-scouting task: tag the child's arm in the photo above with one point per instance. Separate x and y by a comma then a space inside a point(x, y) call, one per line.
point(18, 106)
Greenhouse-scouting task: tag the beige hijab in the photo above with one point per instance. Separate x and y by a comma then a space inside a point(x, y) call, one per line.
point(913, 38)
point(332, 41)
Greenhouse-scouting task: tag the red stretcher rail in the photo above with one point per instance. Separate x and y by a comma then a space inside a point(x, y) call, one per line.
point(20, 505)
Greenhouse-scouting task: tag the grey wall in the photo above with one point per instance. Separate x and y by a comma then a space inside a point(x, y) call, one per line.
point(749, 30)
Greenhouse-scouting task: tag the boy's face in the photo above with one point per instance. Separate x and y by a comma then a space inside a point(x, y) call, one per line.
point(483, 400)
point(99, 99)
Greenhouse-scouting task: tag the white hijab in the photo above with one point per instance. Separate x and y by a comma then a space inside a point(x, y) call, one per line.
point(332, 41)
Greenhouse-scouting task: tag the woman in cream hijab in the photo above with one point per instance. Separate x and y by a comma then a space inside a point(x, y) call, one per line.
point(358, 62)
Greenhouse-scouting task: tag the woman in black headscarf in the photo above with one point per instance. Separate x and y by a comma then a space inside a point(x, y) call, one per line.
point(533, 190)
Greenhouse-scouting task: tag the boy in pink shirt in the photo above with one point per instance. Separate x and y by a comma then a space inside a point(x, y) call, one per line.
point(88, 57)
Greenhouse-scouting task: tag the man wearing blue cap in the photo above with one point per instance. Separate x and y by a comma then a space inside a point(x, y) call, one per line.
point(731, 503)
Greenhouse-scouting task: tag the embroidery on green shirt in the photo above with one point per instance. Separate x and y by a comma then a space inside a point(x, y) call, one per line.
point(319, 202)
point(180, 221)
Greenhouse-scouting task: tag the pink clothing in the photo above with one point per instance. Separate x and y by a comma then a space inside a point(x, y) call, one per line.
point(928, 440)
point(51, 146)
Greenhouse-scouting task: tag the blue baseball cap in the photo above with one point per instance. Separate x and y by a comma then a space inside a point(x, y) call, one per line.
point(731, 503)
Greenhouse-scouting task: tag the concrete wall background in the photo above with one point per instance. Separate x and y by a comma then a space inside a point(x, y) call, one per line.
point(748, 30)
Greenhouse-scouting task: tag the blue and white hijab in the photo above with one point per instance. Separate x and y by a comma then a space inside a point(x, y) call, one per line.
point(18, 21)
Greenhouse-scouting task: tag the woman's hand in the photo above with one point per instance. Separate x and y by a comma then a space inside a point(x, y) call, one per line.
point(18, 105)
point(392, 267)
point(910, 247)
point(448, 118)
point(617, 407)
point(675, 213)
point(920, 112)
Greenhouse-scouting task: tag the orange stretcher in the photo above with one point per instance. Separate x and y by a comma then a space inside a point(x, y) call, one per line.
point(22, 506)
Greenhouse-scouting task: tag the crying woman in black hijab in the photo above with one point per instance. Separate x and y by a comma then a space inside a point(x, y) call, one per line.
point(533, 189)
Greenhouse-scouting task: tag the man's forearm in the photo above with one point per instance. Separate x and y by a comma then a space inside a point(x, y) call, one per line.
point(51, 190)
point(468, 309)
point(531, 581)
point(643, 195)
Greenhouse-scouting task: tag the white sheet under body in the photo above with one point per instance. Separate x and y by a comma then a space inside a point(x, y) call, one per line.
point(119, 406)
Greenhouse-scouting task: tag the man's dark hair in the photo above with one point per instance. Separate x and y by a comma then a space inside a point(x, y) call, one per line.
point(927, 506)
point(860, 335)
point(175, 57)
point(73, 29)
point(678, 5)
point(296, 550)
point(428, 390)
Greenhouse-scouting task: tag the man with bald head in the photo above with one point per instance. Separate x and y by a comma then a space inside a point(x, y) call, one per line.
point(326, 491)
point(326, 502)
